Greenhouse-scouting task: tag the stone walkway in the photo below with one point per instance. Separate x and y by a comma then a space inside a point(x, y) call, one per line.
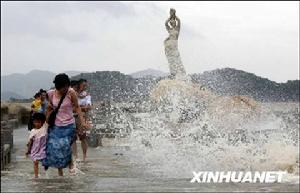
point(108, 169)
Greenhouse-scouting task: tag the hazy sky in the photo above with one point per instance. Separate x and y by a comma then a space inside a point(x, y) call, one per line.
point(258, 37)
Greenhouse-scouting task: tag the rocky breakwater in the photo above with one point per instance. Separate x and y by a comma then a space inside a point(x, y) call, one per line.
point(12, 116)
point(112, 120)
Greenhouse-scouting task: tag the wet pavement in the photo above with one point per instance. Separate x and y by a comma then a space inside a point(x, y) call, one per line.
point(108, 169)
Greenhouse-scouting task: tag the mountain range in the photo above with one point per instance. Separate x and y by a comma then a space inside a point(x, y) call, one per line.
point(149, 73)
point(117, 86)
point(229, 81)
point(22, 86)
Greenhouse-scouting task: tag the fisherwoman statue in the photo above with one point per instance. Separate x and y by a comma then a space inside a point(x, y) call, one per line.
point(171, 46)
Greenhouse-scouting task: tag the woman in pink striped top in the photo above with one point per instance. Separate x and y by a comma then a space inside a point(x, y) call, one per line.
point(61, 135)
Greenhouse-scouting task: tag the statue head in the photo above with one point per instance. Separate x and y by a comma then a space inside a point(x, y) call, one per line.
point(172, 12)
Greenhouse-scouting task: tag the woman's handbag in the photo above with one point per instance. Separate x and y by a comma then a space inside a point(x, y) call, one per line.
point(52, 116)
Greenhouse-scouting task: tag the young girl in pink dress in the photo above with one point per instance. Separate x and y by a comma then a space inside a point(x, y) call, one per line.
point(37, 141)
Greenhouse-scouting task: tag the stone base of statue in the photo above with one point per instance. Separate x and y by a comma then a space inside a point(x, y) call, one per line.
point(187, 101)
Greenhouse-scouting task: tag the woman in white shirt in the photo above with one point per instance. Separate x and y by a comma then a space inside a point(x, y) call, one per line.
point(85, 103)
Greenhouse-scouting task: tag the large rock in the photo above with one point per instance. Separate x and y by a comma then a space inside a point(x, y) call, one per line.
point(186, 101)
point(183, 100)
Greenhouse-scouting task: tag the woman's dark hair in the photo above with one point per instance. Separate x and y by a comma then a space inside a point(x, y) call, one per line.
point(61, 80)
point(39, 116)
point(81, 80)
point(74, 83)
point(38, 94)
point(42, 91)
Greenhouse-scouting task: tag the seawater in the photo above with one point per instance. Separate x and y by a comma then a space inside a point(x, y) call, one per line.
point(213, 141)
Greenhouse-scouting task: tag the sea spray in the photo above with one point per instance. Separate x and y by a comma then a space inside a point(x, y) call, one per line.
point(255, 140)
point(188, 128)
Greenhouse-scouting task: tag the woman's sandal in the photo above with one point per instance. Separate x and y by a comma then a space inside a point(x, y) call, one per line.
point(72, 171)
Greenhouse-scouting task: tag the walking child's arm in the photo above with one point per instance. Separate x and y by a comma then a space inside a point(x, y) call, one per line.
point(29, 146)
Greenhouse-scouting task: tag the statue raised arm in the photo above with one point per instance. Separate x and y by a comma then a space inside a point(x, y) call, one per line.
point(167, 24)
point(173, 27)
